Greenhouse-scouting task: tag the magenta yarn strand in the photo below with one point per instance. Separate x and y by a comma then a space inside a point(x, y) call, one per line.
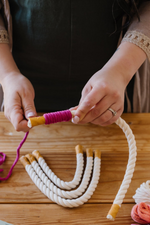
point(17, 157)
point(55, 117)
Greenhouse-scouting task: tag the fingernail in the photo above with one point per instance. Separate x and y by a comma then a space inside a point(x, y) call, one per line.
point(75, 119)
point(30, 114)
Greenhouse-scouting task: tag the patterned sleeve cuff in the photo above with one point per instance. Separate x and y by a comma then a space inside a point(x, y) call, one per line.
point(138, 39)
point(4, 36)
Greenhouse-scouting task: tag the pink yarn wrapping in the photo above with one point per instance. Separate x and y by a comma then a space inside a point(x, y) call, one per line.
point(16, 160)
point(55, 117)
point(141, 213)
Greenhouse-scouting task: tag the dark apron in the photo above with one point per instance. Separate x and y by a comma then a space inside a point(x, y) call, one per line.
point(59, 44)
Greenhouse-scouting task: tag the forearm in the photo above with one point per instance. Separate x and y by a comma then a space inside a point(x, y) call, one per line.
point(126, 60)
point(7, 63)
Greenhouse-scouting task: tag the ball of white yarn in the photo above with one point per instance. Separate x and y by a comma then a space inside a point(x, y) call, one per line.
point(143, 193)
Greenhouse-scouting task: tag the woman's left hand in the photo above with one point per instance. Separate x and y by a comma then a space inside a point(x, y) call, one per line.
point(104, 90)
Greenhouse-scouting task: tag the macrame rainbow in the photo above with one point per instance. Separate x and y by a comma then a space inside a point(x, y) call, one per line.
point(35, 165)
point(72, 198)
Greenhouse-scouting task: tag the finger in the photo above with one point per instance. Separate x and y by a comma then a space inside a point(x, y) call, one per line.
point(98, 109)
point(86, 90)
point(114, 118)
point(15, 114)
point(18, 120)
point(108, 115)
point(107, 118)
point(28, 106)
point(73, 111)
point(90, 100)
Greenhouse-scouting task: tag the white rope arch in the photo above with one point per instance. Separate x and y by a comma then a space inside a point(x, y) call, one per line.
point(58, 191)
point(54, 197)
point(41, 178)
point(60, 183)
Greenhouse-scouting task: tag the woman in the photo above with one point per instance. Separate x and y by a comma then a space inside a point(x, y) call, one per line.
point(59, 45)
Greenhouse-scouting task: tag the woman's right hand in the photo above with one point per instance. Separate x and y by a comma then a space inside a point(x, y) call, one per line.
point(18, 100)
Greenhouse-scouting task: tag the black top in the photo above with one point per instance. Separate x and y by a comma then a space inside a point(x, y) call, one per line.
point(59, 44)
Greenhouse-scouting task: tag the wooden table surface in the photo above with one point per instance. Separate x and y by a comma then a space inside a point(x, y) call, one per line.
point(21, 202)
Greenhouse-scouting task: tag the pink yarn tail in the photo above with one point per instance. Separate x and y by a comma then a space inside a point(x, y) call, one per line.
point(16, 160)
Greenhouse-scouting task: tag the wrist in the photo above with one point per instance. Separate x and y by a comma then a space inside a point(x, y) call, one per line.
point(126, 61)
point(7, 63)
point(7, 77)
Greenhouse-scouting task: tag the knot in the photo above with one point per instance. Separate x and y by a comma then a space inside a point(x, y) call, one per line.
point(2, 159)
point(141, 213)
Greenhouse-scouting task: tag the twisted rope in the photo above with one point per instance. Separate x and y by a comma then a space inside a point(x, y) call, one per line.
point(129, 171)
point(60, 183)
point(62, 193)
point(67, 202)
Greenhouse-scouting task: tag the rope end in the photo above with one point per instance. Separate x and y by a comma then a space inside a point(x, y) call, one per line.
point(35, 121)
point(78, 149)
point(24, 161)
point(37, 154)
point(113, 212)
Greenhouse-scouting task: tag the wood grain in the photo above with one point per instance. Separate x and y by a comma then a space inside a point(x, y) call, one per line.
point(63, 165)
point(43, 214)
point(56, 142)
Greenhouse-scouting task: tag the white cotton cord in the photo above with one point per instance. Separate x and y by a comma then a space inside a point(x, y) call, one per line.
point(129, 171)
point(131, 161)
point(67, 202)
point(143, 193)
point(58, 191)
point(60, 183)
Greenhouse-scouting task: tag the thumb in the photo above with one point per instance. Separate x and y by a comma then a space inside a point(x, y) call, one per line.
point(28, 107)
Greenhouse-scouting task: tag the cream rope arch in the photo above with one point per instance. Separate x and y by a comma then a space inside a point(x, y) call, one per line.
point(56, 198)
point(60, 183)
point(58, 191)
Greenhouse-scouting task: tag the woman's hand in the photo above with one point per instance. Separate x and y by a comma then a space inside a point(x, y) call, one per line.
point(106, 88)
point(18, 100)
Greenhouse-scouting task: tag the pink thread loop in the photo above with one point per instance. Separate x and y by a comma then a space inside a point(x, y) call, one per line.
point(2, 159)
point(16, 160)
point(55, 117)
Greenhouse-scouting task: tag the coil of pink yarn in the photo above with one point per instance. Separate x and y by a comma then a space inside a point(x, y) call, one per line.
point(141, 213)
